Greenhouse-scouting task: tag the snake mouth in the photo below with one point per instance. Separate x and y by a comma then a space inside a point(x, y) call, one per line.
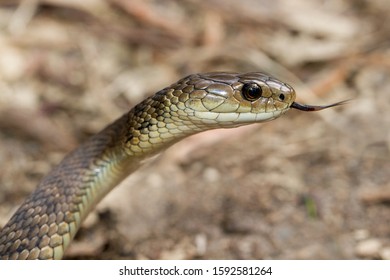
point(311, 108)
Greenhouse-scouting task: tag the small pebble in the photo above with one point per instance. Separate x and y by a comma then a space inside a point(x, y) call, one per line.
point(385, 253)
point(368, 248)
point(211, 175)
point(361, 234)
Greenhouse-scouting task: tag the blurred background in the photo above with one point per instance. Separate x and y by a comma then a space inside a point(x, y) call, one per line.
point(305, 186)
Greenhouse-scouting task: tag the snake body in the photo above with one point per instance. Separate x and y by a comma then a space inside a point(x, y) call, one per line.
point(45, 224)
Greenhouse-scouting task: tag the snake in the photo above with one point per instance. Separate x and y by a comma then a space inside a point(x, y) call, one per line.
point(48, 220)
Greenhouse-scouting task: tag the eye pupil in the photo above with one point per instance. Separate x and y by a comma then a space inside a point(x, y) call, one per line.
point(282, 97)
point(251, 92)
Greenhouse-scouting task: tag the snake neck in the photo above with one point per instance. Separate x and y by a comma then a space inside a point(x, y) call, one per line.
point(157, 123)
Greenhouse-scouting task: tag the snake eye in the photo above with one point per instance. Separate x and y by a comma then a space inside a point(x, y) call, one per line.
point(282, 97)
point(251, 92)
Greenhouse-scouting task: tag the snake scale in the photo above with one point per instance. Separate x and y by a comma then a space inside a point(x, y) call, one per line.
point(45, 224)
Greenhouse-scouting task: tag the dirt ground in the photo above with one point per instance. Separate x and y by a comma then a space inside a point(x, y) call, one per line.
point(305, 186)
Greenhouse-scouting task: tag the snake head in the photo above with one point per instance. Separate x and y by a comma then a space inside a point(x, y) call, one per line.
point(231, 99)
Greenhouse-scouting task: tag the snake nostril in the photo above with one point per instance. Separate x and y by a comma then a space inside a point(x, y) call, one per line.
point(282, 97)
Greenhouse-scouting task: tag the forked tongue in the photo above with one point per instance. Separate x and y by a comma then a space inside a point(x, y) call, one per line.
point(310, 108)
